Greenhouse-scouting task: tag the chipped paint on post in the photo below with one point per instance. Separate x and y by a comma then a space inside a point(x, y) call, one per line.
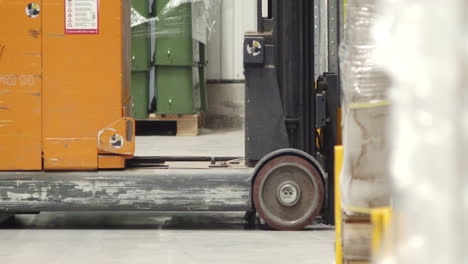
point(134, 190)
point(13, 80)
point(8, 79)
point(5, 123)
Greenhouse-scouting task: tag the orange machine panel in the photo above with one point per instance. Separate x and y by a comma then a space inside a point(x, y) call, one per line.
point(71, 154)
point(86, 81)
point(111, 162)
point(64, 84)
point(20, 85)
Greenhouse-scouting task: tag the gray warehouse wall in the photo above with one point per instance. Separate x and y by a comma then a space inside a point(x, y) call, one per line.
point(226, 106)
point(225, 56)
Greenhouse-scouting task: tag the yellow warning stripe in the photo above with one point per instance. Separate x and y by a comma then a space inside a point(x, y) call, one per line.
point(381, 103)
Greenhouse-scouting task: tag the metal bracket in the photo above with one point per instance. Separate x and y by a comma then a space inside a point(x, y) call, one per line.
point(335, 32)
point(321, 110)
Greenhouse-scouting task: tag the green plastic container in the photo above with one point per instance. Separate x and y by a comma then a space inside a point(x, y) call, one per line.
point(141, 62)
point(180, 62)
point(140, 94)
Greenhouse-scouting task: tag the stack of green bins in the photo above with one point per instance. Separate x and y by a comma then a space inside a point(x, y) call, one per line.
point(180, 86)
point(141, 61)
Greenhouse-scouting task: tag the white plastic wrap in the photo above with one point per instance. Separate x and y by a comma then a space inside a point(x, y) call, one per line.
point(173, 20)
point(365, 177)
point(138, 19)
point(423, 47)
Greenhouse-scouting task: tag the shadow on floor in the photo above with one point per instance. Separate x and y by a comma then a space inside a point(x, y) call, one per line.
point(137, 221)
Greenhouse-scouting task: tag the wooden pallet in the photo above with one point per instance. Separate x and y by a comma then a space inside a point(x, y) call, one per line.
point(357, 238)
point(187, 125)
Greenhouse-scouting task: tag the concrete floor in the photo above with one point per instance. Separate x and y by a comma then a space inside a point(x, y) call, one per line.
point(157, 238)
point(161, 238)
point(228, 143)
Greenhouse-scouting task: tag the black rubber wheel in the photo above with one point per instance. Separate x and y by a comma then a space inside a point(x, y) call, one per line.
point(288, 193)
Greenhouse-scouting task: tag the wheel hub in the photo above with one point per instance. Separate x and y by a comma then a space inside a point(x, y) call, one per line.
point(288, 193)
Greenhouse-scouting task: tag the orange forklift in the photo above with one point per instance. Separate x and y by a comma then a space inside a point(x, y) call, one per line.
point(67, 140)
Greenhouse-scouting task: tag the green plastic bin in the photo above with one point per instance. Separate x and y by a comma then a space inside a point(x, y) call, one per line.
point(141, 62)
point(179, 62)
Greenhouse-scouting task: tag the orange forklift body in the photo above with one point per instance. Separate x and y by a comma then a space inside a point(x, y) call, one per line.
point(65, 85)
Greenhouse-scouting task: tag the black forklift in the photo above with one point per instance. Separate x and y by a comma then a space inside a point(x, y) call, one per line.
point(286, 176)
point(291, 112)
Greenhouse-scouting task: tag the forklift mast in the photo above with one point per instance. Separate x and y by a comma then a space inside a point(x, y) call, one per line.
point(280, 80)
point(285, 106)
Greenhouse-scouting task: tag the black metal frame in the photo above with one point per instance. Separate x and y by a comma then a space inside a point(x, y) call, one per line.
point(283, 107)
point(288, 37)
point(329, 85)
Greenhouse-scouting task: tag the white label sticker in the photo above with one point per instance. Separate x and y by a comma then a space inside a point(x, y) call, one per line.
point(81, 16)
